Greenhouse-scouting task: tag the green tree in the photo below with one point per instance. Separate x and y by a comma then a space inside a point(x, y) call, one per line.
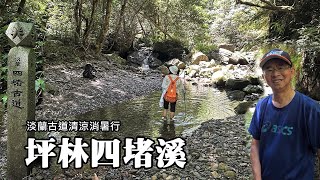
point(287, 16)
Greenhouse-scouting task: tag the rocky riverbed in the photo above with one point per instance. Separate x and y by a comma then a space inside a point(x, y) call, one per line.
point(217, 150)
point(71, 94)
point(68, 93)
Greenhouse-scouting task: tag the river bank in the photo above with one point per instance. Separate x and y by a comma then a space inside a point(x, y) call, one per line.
point(68, 93)
point(217, 150)
point(71, 94)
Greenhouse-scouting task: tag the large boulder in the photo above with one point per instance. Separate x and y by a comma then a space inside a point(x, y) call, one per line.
point(205, 72)
point(225, 52)
point(193, 70)
point(218, 78)
point(197, 57)
point(243, 107)
point(144, 56)
point(220, 56)
point(229, 47)
point(236, 95)
point(253, 89)
point(214, 55)
point(194, 67)
point(170, 49)
point(206, 64)
point(140, 57)
point(237, 84)
point(154, 62)
point(237, 58)
point(254, 80)
point(177, 62)
point(116, 59)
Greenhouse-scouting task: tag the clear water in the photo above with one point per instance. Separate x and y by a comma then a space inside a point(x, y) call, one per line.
point(142, 116)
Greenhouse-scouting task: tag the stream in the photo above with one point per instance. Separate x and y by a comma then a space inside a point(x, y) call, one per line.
point(142, 116)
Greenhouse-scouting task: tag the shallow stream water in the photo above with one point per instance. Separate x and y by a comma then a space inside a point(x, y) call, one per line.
point(142, 116)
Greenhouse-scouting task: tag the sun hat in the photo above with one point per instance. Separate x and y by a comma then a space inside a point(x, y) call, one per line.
point(275, 54)
point(173, 69)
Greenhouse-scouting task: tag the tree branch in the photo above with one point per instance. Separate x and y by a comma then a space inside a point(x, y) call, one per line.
point(270, 6)
point(157, 25)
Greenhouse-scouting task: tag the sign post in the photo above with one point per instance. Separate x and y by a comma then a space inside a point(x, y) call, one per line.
point(21, 96)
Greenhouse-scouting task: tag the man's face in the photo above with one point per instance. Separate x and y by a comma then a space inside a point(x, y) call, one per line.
point(278, 74)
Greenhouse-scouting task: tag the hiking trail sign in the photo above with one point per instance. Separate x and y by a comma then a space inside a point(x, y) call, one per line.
point(21, 96)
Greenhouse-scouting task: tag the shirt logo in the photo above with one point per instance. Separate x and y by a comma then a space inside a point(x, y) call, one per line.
point(266, 126)
point(277, 129)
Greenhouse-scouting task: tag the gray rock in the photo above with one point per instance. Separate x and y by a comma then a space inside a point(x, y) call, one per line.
point(229, 47)
point(170, 177)
point(243, 107)
point(222, 167)
point(236, 95)
point(197, 57)
point(225, 52)
point(254, 80)
point(237, 58)
point(39, 177)
point(253, 89)
point(230, 174)
point(164, 175)
point(177, 62)
point(215, 174)
point(237, 84)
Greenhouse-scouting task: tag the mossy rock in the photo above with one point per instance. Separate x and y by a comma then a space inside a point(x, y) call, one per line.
point(116, 59)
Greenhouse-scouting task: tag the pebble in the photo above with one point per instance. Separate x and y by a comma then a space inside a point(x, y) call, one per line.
point(230, 174)
point(215, 174)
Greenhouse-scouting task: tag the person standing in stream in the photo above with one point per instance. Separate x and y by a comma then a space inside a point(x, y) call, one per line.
point(285, 125)
point(172, 76)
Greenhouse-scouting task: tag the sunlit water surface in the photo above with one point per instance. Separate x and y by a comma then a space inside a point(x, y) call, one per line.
point(142, 116)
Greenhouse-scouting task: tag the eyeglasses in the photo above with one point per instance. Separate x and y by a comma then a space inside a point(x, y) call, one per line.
point(280, 69)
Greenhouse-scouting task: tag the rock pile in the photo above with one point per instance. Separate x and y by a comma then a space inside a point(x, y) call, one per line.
point(224, 69)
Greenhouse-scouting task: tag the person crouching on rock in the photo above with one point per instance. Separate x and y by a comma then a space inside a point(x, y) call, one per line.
point(172, 88)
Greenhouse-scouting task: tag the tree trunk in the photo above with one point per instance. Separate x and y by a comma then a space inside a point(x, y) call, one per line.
point(88, 29)
point(21, 6)
point(105, 27)
point(78, 20)
point(121, 16)
point(2, 8)
point(308, 81)
point(158, 26)
point(3, 5)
